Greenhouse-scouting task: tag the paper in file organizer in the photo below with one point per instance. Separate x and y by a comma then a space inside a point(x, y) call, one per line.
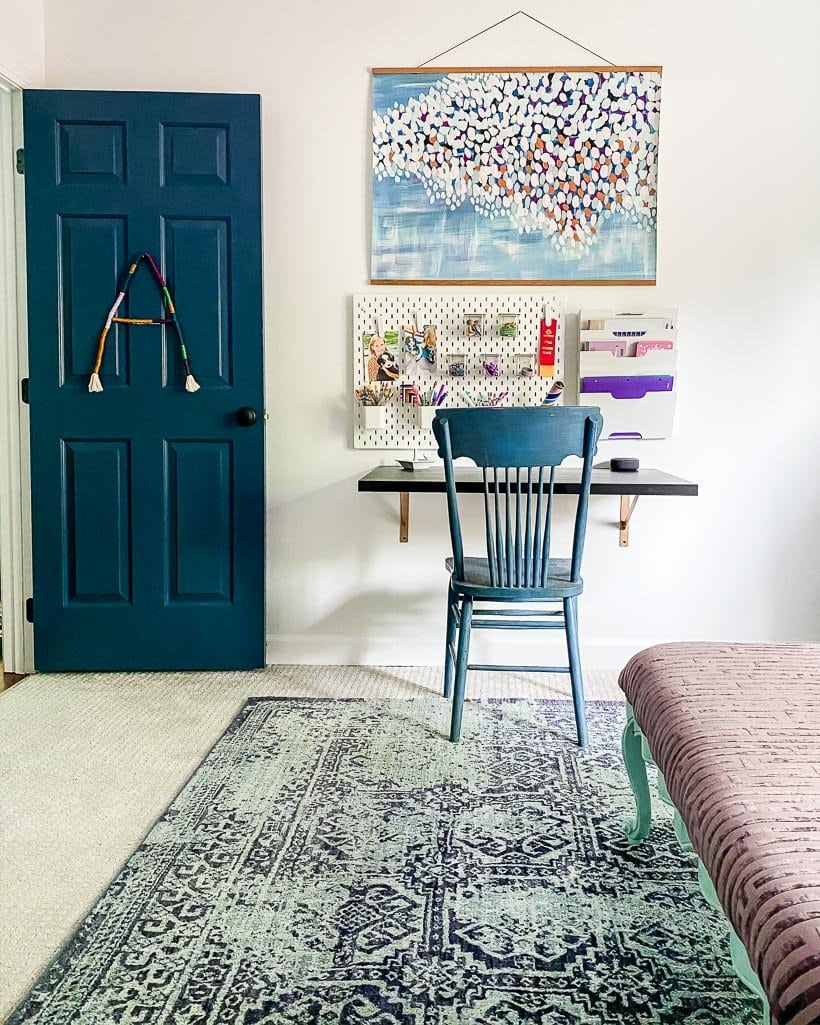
point(617, 348)
point(637, 327)
point(627, 366)
point(622, 324)
point(642, 348)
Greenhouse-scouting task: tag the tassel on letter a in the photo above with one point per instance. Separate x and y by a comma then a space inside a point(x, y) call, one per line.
point(190, 383)
point(94, 383)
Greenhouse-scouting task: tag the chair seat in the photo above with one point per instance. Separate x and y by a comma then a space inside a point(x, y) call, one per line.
point(476, 582)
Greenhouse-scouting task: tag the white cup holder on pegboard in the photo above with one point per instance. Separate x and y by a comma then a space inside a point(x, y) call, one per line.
point(424, 417)
point(374, 418)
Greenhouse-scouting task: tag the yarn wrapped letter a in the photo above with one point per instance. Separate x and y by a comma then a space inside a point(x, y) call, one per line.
point(94, 382)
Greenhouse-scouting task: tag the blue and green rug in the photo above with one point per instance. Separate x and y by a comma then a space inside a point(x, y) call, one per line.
point(342, 862)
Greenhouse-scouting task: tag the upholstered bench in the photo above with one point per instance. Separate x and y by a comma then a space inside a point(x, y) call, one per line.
point(734, 730)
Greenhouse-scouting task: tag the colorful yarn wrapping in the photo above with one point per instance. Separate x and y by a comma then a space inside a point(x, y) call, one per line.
point(94, 382)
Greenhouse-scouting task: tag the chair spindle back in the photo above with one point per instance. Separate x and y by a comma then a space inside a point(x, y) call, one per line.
point(518, 451)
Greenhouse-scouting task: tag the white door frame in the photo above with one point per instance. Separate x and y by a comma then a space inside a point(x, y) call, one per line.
point(15, 470)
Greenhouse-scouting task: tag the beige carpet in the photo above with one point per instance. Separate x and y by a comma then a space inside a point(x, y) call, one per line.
point(89, 762)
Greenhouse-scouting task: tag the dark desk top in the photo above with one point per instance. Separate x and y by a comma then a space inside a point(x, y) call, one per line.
point(567, 481)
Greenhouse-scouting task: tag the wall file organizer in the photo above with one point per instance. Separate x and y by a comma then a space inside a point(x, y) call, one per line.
point(474, 331)
point(627, 365)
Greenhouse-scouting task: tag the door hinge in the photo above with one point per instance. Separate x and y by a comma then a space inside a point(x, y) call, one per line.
point(20, 161)
point(24, 390)
point(29, 610)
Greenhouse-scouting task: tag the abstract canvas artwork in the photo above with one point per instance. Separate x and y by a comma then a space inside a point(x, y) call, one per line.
point(506, 176)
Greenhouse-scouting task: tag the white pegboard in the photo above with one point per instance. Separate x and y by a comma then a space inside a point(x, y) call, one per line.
point(390, 311)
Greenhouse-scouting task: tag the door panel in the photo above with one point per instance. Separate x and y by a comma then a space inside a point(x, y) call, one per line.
point(195, 154)
point(196, 255)
point(97, 522)
point(89, 152)
point(91, 252)
point(199, 547)
point(157, 560)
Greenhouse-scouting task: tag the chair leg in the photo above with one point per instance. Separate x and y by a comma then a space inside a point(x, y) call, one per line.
point(461, 667)
point(449, 651)
point(575, 675)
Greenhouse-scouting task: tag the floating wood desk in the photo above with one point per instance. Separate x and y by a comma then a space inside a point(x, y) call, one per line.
point(628, 486)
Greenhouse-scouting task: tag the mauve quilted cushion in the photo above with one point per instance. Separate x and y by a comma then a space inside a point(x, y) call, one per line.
point(735, 730)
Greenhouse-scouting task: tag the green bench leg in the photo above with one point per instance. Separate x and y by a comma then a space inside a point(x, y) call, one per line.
point(677, 822)
point(636, 755)
point(740, 958)
point(636, 829)
point(681, 833)
point(747, 975)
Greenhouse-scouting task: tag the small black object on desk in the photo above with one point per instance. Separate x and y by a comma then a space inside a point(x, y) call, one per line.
point(624, 464)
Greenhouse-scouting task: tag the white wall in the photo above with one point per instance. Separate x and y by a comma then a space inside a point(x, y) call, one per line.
point(22, 42)
point(738, 253)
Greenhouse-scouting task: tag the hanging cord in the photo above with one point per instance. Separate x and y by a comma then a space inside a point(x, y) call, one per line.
point(509, 17)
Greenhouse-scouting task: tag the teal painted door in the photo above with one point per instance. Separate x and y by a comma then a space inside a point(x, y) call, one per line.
point(147, 500)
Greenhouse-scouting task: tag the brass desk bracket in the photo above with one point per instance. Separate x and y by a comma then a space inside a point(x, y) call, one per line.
point(627, 508)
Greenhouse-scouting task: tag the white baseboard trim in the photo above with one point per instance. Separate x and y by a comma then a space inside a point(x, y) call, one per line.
point(337, 650)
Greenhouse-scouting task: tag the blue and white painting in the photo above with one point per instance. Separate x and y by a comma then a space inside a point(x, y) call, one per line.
point(508, 176)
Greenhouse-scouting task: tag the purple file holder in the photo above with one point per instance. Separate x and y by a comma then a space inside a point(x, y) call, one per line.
point(627, 387)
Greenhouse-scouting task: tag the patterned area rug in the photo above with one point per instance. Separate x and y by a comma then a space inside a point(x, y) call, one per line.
point(342, 862)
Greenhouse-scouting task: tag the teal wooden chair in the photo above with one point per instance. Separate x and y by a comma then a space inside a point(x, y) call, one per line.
point(517, 451)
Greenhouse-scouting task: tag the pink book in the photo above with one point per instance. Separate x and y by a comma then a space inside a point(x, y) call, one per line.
point(642, 348)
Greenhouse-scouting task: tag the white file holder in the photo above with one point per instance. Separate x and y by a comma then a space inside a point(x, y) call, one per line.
point(605, 364)
point(649, 417)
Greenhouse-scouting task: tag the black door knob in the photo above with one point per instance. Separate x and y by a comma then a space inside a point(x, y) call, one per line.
point(246, 416)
